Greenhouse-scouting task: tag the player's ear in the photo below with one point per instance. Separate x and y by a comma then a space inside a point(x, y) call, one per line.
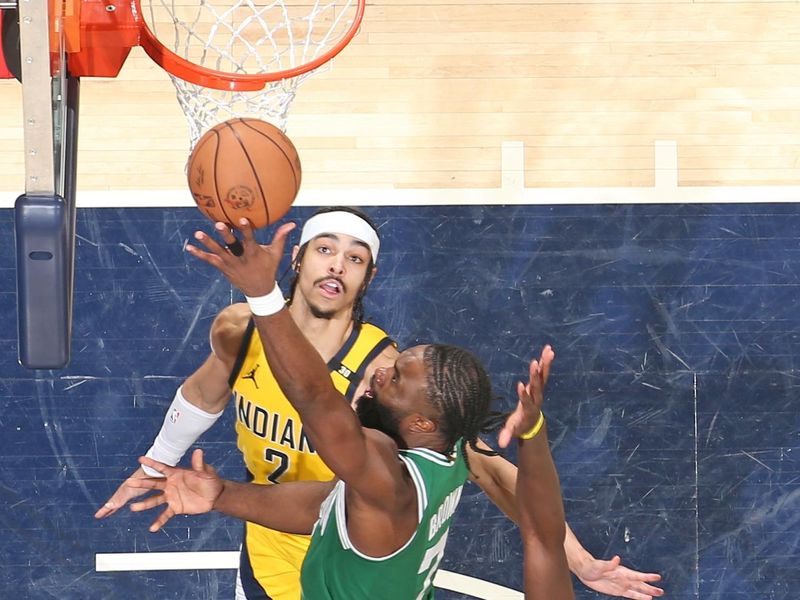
point(295, 251)
point(372, 274)
point(421, 424)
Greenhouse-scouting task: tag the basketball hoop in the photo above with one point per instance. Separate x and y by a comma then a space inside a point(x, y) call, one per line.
point(237, 58)
point(227, 58)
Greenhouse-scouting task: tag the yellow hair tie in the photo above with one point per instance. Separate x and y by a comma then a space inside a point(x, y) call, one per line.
point(529, 435)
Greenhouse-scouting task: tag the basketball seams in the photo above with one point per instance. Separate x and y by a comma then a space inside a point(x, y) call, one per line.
point(252, 166)
point(205, 147)
point(249, 124)
point(220, 197)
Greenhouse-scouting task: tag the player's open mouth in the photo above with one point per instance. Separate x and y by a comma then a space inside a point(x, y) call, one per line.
point(368, 393)
point(331, 287)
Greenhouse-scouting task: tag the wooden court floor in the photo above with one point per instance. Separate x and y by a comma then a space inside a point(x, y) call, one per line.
point(427, 93)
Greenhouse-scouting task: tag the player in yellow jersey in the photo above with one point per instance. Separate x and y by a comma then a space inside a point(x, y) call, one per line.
point(335, 262)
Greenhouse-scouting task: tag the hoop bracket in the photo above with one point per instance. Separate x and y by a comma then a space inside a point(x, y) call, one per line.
point(100, 35)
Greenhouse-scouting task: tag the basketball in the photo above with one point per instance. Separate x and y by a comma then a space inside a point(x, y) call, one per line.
point(244, 168)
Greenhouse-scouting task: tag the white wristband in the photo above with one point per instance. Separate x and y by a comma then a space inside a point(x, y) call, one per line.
point(183, 424)
point(264, 306)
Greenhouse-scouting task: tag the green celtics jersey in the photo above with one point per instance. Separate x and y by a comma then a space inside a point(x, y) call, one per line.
point(335, 570)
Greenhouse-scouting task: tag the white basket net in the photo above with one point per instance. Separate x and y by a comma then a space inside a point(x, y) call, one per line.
point(245, 37)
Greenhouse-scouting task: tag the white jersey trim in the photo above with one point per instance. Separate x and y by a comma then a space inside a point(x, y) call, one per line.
point(341, 513)
point(419, 483)
point(435, 457)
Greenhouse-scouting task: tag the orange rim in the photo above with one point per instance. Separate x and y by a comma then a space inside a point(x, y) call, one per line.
point(221, 80)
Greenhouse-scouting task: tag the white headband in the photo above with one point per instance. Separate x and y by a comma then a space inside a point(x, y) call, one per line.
point(345, 223)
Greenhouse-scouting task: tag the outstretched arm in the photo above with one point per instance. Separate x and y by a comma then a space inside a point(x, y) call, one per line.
point(609, 576)
point(198, 403)
point(497, 477)
point(330, 423)
point(541, 510)
point(200, 490)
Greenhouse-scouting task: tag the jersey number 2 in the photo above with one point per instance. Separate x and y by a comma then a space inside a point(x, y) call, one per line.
point(281, 458)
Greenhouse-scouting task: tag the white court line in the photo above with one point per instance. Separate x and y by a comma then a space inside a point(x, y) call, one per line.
point(666, 164)
point(165, 561)
point(178, 561)
point(477, 588)
point(512, 166)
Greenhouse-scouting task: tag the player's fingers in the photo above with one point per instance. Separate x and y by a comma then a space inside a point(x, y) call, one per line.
point(279, 239)
point(524, 395)
point(546, 360)
point(151, 483)
point(148, 503)
point(198, 464)
point(533, 370)
point(513, 425)
point(648, 590)
point(641, 595)
point(162, 519)
point(525, 404)
point(641, 581)
point(537, 387)
point(232, 243)
point(155, 465)
point(206, 257)
point(115, 502)
point(510, 427)
point(225, 232)
point(109, 508)
point(504, 437)
point(212, 245)
point(247, 230)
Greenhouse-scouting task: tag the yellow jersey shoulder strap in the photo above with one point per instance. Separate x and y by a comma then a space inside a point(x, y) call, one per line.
point(243, 350)
point(364, 344)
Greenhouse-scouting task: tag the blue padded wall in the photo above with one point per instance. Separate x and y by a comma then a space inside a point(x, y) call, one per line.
point(672, 405)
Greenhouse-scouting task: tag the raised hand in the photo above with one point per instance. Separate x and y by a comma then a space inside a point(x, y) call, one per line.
point(246, 264)
point(611, 578)
point(184, 491)
point(531, 396)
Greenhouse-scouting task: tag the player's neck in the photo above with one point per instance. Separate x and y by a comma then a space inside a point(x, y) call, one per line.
point(429, 441)
point(326, 334)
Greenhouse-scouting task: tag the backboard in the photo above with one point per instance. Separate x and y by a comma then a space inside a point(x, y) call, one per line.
point(45, 213)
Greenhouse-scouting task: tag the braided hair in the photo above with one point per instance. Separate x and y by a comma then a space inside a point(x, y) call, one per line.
point(460, 388)
point(358, 304)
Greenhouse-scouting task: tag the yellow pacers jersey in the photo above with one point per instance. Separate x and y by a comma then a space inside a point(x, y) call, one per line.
point(275, 449)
